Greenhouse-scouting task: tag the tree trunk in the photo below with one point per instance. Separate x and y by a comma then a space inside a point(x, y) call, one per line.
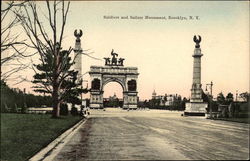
point(55, 95)
point(56, 103)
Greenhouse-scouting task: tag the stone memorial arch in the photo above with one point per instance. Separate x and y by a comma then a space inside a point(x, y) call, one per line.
point(114, 71)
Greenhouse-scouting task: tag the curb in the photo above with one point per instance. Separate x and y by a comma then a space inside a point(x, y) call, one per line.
point(50, 151)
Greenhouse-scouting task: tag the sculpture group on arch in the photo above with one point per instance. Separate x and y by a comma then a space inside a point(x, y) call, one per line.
point(114, 60)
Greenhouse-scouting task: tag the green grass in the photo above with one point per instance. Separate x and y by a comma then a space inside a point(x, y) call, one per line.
point(23, 135)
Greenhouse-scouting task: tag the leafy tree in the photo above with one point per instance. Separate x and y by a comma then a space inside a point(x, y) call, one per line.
point(177, 102)
point(183, 103)
point(70, 88)
point(112, 102)
point(10, 97)
point(245, 96)
point(165, 98)
point(4, 108)
point(120, 103)
point(221, 98)
point(154, 103)
point(229, 98)
point(14, 109)
point(74, 111)
point(24, 108)
point(205, 96)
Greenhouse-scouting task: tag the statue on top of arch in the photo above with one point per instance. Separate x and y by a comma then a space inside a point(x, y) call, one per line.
point(114, 61)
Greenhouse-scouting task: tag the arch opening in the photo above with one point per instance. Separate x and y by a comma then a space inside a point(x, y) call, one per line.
point(113, 94)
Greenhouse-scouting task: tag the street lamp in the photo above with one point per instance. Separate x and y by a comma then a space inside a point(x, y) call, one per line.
point(210, 99)
point(236, 96)
point(211, 87)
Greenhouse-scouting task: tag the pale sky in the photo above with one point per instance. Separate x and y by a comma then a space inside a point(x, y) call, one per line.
point(162, 49)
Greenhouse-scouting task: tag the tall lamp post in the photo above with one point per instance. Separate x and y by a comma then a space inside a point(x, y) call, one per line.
point(236, 96)
point(210, 99)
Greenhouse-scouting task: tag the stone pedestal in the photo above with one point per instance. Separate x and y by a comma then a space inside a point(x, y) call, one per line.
point(96, 99)
point(129, 100)
point(195, 108)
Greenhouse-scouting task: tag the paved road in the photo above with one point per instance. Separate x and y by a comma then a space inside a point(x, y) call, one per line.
point(116, 134)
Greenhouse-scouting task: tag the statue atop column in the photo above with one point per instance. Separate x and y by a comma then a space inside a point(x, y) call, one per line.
point(78, 35)
point(78, 54)
point(197, 41)
point(113, 61)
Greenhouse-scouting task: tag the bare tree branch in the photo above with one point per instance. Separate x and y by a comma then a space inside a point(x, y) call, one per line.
point(87, 54)
point(12, 47)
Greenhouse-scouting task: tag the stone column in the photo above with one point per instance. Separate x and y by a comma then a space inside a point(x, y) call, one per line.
point(196, 91)
point(78, 60)
point(78, 55)
point(196, 106)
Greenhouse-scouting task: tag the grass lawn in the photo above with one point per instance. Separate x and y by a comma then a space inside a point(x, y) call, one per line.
point(23, 135)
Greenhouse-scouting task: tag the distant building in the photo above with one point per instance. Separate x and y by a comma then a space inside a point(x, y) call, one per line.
point(154, 95)
point(114, 97)
point(112, 101)
point(169, 99)
point(165, 100)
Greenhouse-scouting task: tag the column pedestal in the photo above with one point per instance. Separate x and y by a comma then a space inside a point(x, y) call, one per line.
point(129, 100)
point(195, 108)
point(96, 99)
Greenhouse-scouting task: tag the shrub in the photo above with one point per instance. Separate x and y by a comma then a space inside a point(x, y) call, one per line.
point(14, 109)
point(225, 113)
point(64, 109)
point(24, 108)
point(4, 108)
point(74, 111)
